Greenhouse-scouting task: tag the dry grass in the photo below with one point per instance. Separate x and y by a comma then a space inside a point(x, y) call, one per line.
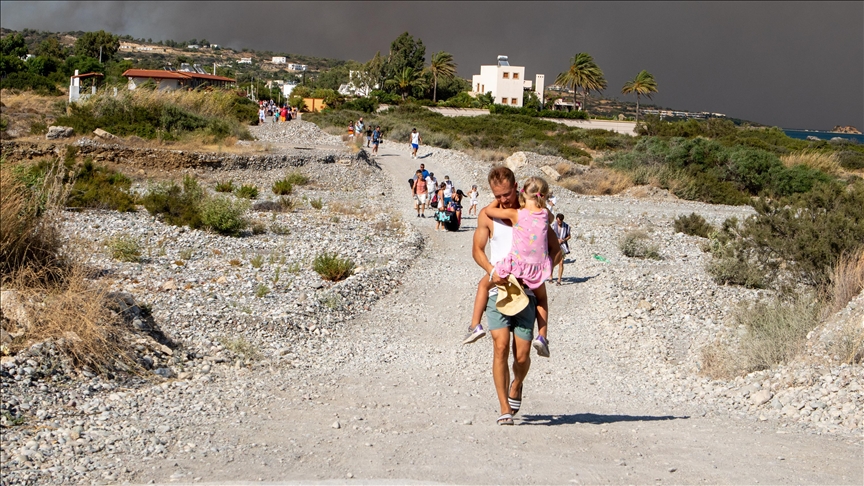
point(488, 155)
point(348, 209)
point(27, 102)
point(28, 235)
point(847, 280)
point(827, 163)
point(76, 314)
point(719, 362)
point(60, 301)
point(598, 182)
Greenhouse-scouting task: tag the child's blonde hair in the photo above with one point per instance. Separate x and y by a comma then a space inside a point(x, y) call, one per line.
point(536, 189)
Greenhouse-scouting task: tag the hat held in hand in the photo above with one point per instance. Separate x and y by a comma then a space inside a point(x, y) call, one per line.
point(512, 298)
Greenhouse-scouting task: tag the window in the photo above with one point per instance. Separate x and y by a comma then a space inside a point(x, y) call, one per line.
point(515, 75)
point(514, 101)
point(506, 75)
point(503, 101)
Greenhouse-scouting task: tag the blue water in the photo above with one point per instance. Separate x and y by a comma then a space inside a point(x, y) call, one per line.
point(803, 134)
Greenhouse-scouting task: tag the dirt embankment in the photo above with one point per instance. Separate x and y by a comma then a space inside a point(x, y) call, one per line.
point(155, 159)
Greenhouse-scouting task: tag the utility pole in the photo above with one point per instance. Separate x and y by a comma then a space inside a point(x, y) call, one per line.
point(100, 54)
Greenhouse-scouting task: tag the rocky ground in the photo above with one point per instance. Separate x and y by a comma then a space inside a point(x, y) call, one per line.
point(366, 380)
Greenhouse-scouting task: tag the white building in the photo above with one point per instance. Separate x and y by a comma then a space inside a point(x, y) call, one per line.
point(245, 60)
point(502, 80)
point(539, 86)
point(297, 67)
point(279, 60)
point(355, 86)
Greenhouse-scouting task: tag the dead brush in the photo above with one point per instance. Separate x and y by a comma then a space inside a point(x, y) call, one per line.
point(827, 163)
point(345, 208)
point(28, 233)
point(847, 280)
point(598, 182)
point(75, 313)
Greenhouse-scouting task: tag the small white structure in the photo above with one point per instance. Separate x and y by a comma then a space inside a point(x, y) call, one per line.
point(502, 80)
point(287, 89)
point(297, 67)
point(539, 86)
point(75, 85)
point(245, 60)
point(193, 46)
point(279, 60)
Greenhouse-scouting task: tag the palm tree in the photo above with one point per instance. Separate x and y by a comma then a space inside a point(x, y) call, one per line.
point(642, 84)
point(441, 65)
point(583, 73)
point(405, 80)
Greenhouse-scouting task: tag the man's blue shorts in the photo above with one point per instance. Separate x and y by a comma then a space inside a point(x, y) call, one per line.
point(522, 324)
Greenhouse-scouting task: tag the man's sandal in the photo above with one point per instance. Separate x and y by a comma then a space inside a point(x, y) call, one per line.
point(515, 404)
point(506, 419)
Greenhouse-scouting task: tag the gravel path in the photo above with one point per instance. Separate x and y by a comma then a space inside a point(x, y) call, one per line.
point(389, 395)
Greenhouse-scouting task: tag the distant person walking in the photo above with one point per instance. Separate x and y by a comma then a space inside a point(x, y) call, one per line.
point(473, 194)
point(562, 231)
point(376, 140)
point(262, 113)
point(415, 142)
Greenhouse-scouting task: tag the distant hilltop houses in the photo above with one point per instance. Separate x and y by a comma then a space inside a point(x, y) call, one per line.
point(683, 114)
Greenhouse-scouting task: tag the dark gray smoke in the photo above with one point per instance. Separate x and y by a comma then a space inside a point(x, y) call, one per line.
point(791, 64)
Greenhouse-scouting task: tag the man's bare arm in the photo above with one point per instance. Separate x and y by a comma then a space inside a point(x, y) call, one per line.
point(478, 248)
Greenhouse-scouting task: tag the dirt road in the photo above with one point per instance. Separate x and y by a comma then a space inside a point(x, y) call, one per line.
point(414, 406)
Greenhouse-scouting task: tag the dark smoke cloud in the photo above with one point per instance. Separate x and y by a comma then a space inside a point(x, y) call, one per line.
point(792, 64)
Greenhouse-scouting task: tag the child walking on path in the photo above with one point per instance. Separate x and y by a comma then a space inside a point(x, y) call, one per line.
point(473, 194)
point(528, 259)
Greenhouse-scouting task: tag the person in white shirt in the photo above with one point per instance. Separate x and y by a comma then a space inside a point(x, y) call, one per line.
point(415, 143)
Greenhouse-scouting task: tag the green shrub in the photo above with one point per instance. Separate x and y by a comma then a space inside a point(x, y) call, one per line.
point(99, 187)
point(332, 268)
point(636, 244)
point(297, 179)
point(316, 203)
point(366, 105)
point(247, 191)
point(178, 206)
point(801, 236)
point(224, 215)
point(282, 187)
point(693, 225)
point(225, 186)
point(262, 291)
point(850, 160)
point(124, 248)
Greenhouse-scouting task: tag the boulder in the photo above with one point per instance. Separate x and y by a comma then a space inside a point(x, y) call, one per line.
point(550, 172)
point(760, 397)
point(103, 134)
point(56, 132)
point(14, 308)
point(516, 161)
point(812, 138)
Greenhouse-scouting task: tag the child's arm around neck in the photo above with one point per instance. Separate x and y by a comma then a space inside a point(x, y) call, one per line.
point(495, 212)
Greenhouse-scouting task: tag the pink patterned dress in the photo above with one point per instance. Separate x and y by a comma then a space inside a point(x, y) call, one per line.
point(528, 259)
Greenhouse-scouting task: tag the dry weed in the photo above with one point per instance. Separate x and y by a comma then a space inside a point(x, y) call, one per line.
point(847, 280)
point(28, 235)
point(598, 182)
point(827, 163)
point(488, 155)
point(76, 314)
point(349, 209)
point(564, 168)
point(719, 362)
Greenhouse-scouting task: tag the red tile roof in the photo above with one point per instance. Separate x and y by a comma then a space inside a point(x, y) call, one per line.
point(160, 74)
point(153, 73)
point(89, 75)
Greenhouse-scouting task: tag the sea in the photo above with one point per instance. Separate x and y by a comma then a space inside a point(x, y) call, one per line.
point(803, 134)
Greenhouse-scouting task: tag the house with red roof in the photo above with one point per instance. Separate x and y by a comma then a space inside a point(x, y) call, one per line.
point(172, 80)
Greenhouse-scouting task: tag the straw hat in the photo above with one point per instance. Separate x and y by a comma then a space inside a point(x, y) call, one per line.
point(511, 297)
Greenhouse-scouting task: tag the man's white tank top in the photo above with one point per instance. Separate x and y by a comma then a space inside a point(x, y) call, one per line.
point(499, 247)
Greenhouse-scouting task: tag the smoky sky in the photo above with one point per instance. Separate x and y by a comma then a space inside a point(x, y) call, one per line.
point(790, 64)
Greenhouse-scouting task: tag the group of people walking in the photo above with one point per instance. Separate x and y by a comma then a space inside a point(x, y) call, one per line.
point(442, 197)
point(279, 114)
point(374, 137)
